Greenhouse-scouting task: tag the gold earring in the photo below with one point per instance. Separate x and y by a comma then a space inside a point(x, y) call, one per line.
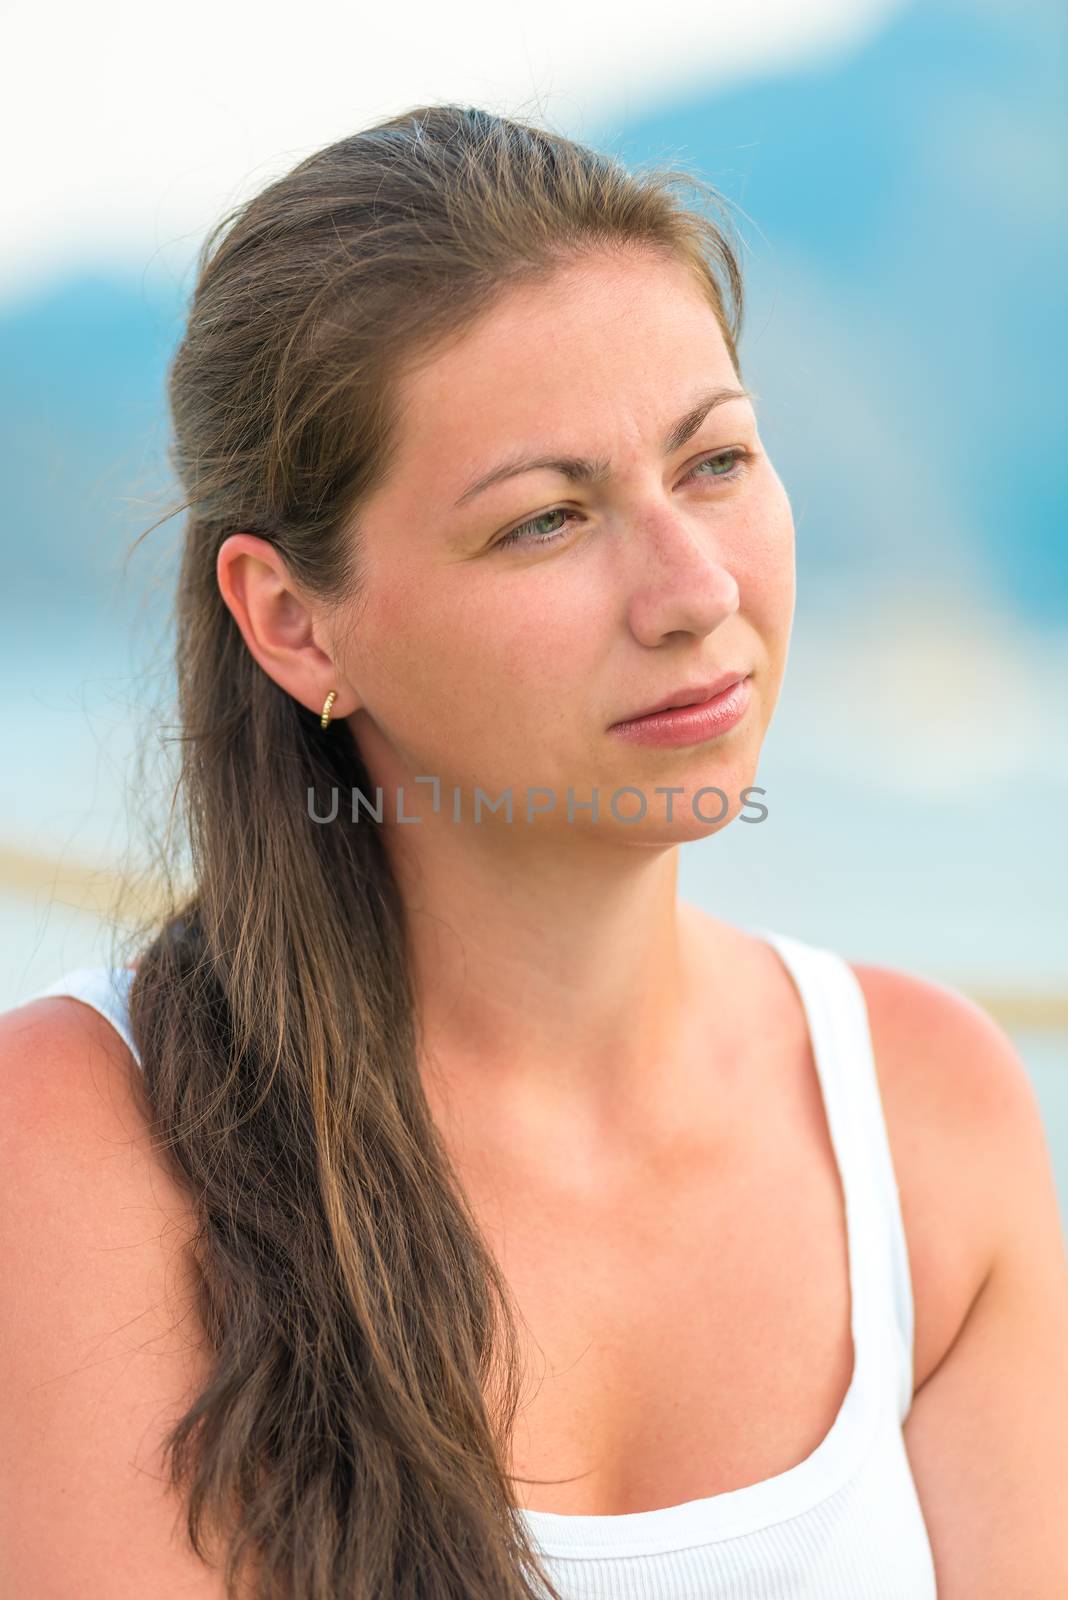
point(325, 718)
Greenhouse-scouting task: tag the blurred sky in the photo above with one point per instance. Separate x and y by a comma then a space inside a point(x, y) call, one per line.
point(130, 127)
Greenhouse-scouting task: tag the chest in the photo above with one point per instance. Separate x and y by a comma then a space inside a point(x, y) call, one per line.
point(668, 1362)
point(683, 1334)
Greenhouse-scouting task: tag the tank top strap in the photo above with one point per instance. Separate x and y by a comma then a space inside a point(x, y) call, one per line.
point(106, 989)
point(845, 1059)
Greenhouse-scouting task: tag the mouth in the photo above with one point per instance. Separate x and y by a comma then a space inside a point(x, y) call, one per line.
point(681, 727)
point(688, 695)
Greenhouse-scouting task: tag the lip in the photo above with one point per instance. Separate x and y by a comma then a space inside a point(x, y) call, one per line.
point(688, 695)
point(684, 726)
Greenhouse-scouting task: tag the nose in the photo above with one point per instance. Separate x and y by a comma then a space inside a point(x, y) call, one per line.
point(683, 584)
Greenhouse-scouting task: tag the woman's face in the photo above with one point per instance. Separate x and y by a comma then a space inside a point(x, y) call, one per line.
point(494, 662)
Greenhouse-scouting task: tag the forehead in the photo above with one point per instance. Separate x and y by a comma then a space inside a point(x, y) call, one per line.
point(612, 337)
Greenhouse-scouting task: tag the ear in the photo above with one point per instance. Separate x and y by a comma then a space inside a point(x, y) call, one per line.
point(279, 623)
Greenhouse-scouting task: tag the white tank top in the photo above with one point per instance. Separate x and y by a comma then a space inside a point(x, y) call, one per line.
point(843, 1524)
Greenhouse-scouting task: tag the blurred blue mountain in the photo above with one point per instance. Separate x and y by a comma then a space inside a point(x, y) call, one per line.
point(903, 209)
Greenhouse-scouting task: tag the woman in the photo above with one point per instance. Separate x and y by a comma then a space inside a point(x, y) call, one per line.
point(485, 1221)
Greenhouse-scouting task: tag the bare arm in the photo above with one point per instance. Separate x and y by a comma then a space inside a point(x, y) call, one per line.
point(98, 1347)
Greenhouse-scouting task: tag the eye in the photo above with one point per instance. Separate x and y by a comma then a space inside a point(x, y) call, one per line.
point(734, 463)
point(735, 460)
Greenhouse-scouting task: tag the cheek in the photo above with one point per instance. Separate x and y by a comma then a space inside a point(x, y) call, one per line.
point(472, 659)
point(529, 634)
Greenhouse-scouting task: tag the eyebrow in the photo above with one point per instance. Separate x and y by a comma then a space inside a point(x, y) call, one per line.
point(582, 470)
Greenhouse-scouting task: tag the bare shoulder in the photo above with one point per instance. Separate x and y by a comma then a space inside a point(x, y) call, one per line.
point(72, 1107)
point(45, 1046)
point(100, 1348)
point(967, 1141)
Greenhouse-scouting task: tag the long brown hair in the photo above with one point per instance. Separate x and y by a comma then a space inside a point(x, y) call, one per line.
point(351, 1442)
